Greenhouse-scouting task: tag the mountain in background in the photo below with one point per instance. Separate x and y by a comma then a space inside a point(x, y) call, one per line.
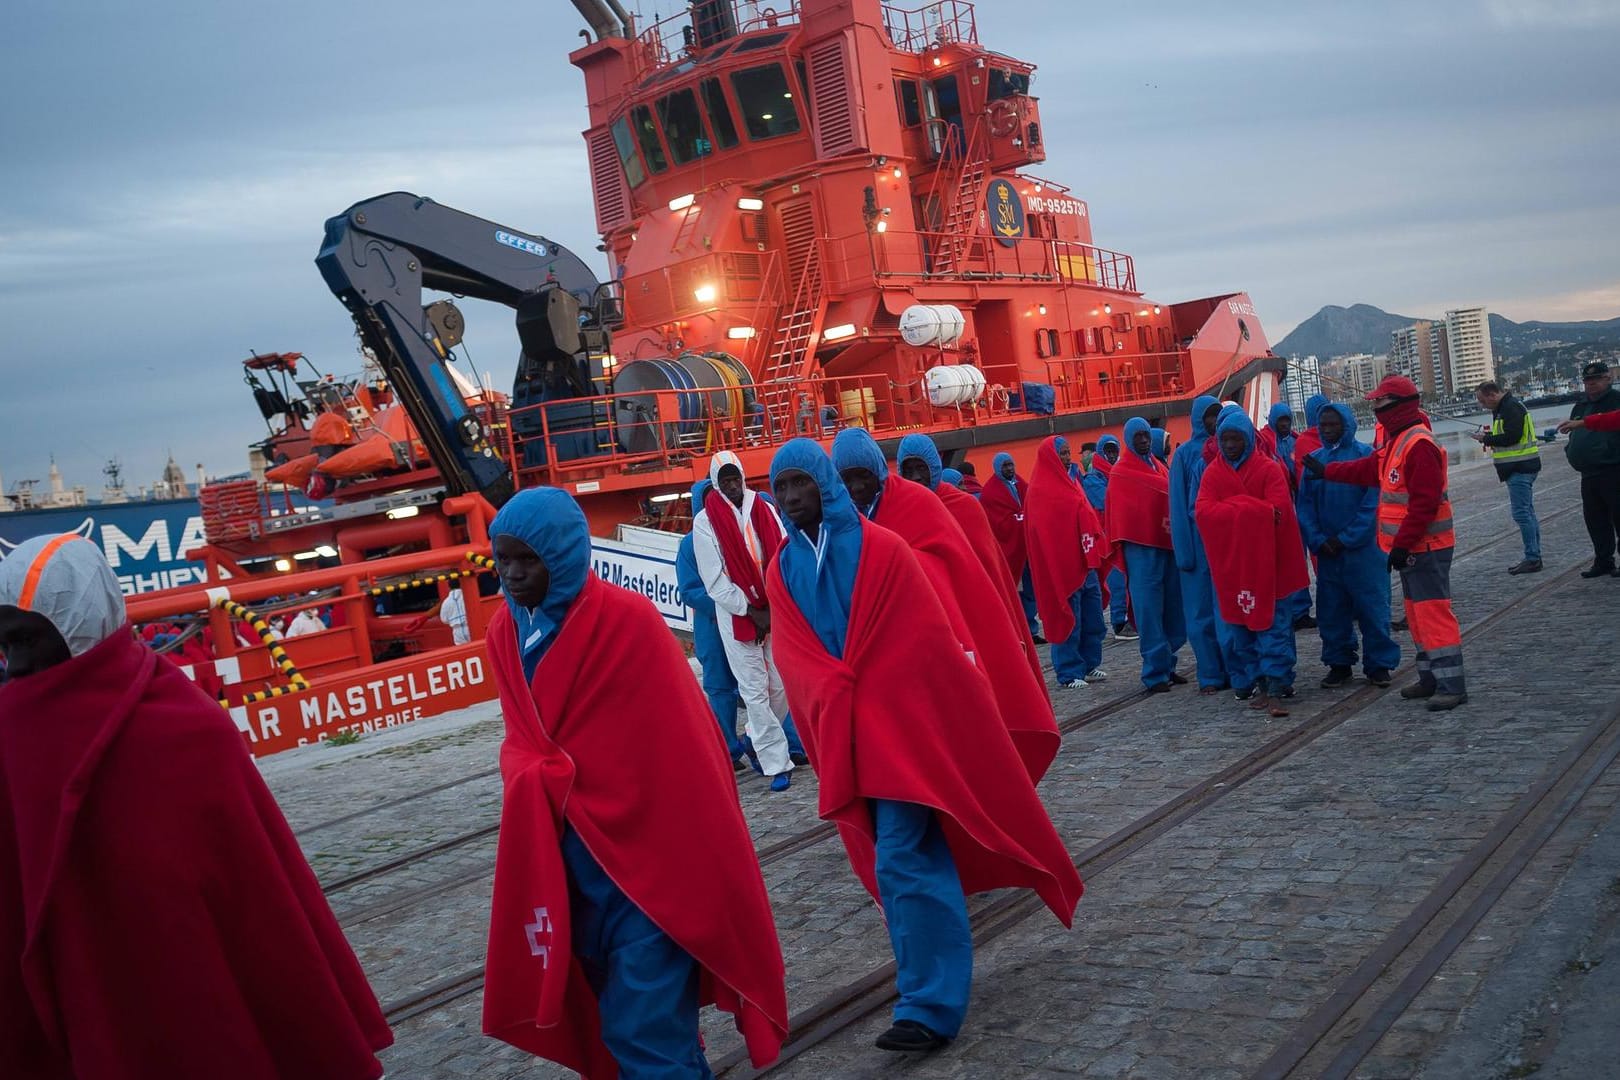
point(1362, 328)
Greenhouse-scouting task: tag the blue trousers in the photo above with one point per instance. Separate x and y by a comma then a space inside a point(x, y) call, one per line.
point(1155, 588)
point(1198, 609)
point(1268, 654)
point(1081, 653)
point(927, 916)
point(1026, 596)
point(646, 985)
point(791, 730)
point(1119, 600)
point(719, 684)
point(1521, 498)
point(1352, 591)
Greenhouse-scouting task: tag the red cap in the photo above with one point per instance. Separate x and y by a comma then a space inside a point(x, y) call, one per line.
point(1396, 386)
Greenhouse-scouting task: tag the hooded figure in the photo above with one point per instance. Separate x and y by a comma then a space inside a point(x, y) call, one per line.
point(927, 789)
point(918, 460)
point(1246, 518)
point(1205, 630)
point(1340, 526)
point(1067, 550)
point(1136, 517)
point(157, 918)
point(953, 477)
point(627, 894)
point(734, 537)
point(1003, 501)
point(1095, 487)
point(1281, 441)
point(970, 598)
point(1161, 445)
point(1309, 440)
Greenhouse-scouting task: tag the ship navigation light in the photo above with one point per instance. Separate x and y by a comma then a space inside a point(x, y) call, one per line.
point(681, 202)
point(1041, 309)
point(1108, 309)
point(1156, 309)
point(705, 294)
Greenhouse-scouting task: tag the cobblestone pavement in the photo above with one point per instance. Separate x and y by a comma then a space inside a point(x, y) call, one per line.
point(1194, 956)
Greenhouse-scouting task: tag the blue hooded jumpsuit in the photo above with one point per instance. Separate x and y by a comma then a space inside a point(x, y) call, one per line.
point(921, 892)
point(1268, 654)
point(1205, 630)
point(1095, 486)
point(646, 985)
point(917, 445)
point(1161, 444)
point(1080, 654)
point(1155, 589)
point(1352, 588)
point(1300, 601)
point(1026, 584)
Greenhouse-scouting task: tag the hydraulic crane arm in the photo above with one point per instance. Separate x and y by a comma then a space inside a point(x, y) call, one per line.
point(380, 254)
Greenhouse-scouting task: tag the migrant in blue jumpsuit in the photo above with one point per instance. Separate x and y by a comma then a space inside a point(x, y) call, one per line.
point(1263, 659)
point(1155, 589)
point(1299, 602)
point(625, 954)
point(1352, 575)
point(1206, 631)
point(1079, 657)
point(1161, 444)
point(1095, 486)
point(921, 892)
point(1026, 583)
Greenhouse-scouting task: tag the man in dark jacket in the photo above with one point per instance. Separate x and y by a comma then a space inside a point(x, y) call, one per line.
point(1517, 454)
point(1594, 451)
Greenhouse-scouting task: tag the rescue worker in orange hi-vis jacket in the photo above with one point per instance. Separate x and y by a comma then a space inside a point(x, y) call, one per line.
point(1415, 528)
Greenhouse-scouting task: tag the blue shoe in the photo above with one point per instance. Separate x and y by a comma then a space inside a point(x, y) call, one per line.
point(753, 758)
point(780, 781)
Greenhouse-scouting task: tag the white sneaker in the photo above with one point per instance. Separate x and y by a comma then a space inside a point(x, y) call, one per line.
point(1096, 675)
point(1074, 684)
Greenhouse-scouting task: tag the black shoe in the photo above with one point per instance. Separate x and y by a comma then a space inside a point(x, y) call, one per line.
point(739, 763)
point(1178, 679)
point(1417, 691)
point(1528, 566)
point(1126, 632)
point(1598, 570)
point(1159, 688)
point(1378, 677)
point(1304, 622)
point(1038, 639)
point(1244, 693)
point(799, 759)
point(1338, 675)
point(1447, 702)
point(908, 1036)
point(1281, 691)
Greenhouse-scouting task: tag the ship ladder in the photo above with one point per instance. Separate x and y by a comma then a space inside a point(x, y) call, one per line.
point(796, 334)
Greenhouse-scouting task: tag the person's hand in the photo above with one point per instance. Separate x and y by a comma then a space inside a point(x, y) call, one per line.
point(1314, 466)
point(761, 618)
point(1477, 436)
point(1570, 425)
point(1331, 548)
point(1399, 559)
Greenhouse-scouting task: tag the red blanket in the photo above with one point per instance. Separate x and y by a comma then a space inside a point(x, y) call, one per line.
point(1066, 541)
point(978, 615)
point(650, 791)
point(157, 919)
point(1137, 508)
point(1006, 516)
point(976, 527)
point(742, 567)
point(879, 724)
point(1246, 518)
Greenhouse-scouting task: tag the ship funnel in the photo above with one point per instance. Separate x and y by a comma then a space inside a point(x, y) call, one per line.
point(600, 18)
point(714, 21)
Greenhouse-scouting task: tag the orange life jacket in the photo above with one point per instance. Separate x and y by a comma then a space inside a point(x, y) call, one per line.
point(1393, 496)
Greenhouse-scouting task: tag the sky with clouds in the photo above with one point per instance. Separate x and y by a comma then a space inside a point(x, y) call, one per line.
point(167, 167)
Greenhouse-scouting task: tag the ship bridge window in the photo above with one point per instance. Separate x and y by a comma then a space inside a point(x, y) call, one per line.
point(910, 102)
point(766, 102)
point(764, 41)
point(641, 122)
point(683, 127)
point(720, 122)
point(1006, 84)
point(625, 144)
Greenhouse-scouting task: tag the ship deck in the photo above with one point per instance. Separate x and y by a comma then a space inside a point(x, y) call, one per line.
point(1361, 889)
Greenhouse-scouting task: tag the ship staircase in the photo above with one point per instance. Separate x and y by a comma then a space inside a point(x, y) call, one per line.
point(954, 202)
point(799, 324)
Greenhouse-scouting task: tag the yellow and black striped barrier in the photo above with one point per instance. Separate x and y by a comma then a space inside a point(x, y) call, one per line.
point(483, 562)
point(446, 577)
point(295, 681)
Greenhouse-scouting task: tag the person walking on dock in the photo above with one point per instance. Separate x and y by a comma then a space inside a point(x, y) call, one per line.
point(1594, 450)
point(1415, 530)
point(1067, 552)
point(1516, 452)
point(1136, 518)
point(157, 918)
point(1340, 526)
point(927, 789)
point(733, 537)
point(627, 892)
point(1003, 501)
point(1094, 485)
point(1205, 630)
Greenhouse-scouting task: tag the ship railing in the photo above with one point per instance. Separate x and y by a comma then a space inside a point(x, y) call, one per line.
point(676, 36)
point(1106, 381)
point(902, 257)
point(947, 22)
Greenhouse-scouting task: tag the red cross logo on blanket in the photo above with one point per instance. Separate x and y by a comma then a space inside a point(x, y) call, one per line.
point(1245, 600)
point(1087, 542)
point(541, 925)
